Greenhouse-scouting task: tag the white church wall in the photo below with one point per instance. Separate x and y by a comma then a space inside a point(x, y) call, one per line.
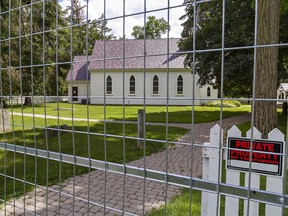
point(97, 88)
point(204, 94)
point(82, 91)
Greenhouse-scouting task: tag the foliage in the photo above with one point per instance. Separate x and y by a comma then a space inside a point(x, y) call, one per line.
point(31, 37)
point(153, 30)
point(225, 103)
point(36, 42)
point(85, 31)
point(239, 32)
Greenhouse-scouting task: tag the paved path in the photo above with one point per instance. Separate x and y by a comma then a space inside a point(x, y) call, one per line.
point(179, 162)
point(53, 117)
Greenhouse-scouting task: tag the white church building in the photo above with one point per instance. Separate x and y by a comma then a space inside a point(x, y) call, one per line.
point(117, 72)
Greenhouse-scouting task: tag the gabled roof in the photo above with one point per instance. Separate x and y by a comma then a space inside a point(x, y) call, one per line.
point(156, 56)
point(79, 70)
point(156, 52)
point(283, 87)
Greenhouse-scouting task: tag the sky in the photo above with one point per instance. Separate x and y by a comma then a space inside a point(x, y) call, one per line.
point(114, 9)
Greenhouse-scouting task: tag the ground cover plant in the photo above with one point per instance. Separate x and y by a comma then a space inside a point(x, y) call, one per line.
point(176, 114)
point(179, 205)
point(225, 103)
point(43, 172)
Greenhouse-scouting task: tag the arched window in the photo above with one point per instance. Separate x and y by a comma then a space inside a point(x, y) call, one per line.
point(109, 85)
point(132, 85)
point(180, 85)
point(208, 92)
point(155, 85)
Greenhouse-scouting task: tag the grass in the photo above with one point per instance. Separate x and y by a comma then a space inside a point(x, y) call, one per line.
point(282, 124)
point(177, 114)
point(179, 205)
point(43, 172)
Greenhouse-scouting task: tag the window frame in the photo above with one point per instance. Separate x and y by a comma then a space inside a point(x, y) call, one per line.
point(132, 85)
point(75, 93)
point(180, 85)
point(208, 92)
point(109, 83)
point(155, 86)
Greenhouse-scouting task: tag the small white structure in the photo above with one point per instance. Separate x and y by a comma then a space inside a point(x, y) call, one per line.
point(282, 92)
point(117, 72)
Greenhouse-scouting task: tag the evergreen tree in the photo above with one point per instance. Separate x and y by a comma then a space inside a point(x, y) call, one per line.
point(33, 40)
point(82, 27)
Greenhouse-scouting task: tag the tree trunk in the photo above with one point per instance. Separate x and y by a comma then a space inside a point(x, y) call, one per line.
point(267, 65)
point(28, 101)
point(284, 109)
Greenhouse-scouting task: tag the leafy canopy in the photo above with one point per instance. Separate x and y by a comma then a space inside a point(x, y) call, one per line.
point(153, 30)
point(239, 32)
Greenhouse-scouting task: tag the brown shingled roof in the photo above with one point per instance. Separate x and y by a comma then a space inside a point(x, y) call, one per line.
point(79, 70)
point(156, 52)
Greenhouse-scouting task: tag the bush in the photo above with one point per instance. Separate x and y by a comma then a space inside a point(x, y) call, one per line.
point(226, 103)
point(234, 102)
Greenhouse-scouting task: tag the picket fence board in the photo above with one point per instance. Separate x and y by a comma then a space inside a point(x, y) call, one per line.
point(255, 178)
point(210, 201)
point(274, 184)
point(232, 177)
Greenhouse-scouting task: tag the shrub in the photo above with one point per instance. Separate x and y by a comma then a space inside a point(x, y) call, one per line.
point(226, 103)
point(234, 102)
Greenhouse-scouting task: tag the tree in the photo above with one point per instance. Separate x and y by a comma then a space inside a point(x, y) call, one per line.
point(44, 45)
point(267, 65)
point(238, 63)
point(41, 43)
point(239, 32)
point(82, 27)
point(153, 30)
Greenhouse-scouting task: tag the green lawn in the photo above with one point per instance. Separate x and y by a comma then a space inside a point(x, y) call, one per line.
point(114, 150)
point(177, 114)
point(179, 205)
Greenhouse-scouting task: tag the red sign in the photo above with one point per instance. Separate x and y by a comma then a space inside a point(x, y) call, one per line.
point(266, 155)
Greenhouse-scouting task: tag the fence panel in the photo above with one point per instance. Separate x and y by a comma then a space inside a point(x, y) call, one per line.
point(104, 113)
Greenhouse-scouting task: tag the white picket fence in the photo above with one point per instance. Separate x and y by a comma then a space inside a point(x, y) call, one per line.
point(211, 172)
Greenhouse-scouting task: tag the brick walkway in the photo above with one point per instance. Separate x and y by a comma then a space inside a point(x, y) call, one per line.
point(52, 203)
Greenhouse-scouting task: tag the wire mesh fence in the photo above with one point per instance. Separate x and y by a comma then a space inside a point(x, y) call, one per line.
point(102, 116)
